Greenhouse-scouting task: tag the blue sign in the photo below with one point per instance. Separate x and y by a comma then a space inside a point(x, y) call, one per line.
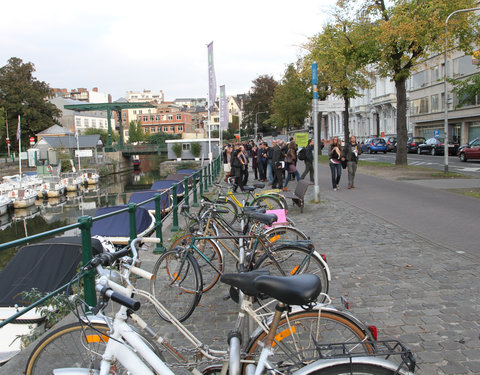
point(436, 133)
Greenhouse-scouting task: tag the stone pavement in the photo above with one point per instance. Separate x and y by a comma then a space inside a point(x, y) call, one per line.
point(422, 293)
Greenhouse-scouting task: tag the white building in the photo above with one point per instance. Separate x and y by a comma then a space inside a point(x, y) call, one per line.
point(145, 96)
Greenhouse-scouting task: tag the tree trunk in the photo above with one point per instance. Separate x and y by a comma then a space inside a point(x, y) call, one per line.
point(346, 130)
point(401, 158)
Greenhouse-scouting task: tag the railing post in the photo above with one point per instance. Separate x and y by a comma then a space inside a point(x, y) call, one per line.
point(132, 207)
point(89, 283)
point(205, 178)
point(201, 182)
point(186, 198)
point(209, 174)
point(195, 201)
point(175, 226)
point(158, 224)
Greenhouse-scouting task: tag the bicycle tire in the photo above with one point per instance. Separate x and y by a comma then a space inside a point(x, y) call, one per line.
point(298, 334)
point(289, 260)
point(270, 202)
point(285, 233)
point(209, 249)
point(231, 216)
point(354, 369)
point(177, 283)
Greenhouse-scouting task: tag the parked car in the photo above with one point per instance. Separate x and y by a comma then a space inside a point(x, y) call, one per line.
point(470, 151)
point(391, 143)
point(413, 142)
point(436, 146)
point(374, 145)
point(467, 145)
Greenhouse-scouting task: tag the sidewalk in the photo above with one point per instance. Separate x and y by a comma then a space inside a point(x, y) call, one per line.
point(412, 289)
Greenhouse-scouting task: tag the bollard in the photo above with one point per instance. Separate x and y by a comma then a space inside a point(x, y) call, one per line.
point(210, 175)
point(132, 207)
point(201, 182)
point(195, 201)
point(175, 226)
point(186, 198)
point(158, 224)
point(89, 279)
point(205, 178)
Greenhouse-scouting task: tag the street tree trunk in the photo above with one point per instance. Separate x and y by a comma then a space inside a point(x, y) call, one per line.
point(346, 130)
point(401, 158)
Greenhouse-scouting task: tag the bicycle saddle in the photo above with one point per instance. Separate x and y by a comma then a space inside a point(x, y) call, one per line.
point(267, 219)
point(259, 185)
point(248, 188)
point(244, 281)
point(248, 209)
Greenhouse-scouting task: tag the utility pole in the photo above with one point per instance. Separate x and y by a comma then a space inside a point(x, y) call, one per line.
point(316, 192)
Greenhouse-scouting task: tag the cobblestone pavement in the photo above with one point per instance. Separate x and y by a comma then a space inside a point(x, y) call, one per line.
point(413, 290)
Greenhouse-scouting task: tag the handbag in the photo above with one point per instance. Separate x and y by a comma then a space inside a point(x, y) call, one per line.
point(344, 163)
point(292, 168)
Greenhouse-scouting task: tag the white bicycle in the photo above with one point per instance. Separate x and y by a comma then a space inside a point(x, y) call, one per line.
point(285, 342)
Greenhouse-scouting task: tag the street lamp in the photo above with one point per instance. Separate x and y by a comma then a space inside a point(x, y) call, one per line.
point(445, 88)
point(256, 123)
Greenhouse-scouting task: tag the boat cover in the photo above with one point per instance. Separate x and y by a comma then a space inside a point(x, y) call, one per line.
point(187, 171)
point(167, 184)
point(142, 196)
point(45, 265)
point(119, 225)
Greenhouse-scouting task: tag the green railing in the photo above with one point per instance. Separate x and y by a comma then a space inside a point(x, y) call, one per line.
point(209, 172)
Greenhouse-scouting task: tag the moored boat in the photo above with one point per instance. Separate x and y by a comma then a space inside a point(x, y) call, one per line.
point(143, 195)
point(52, 187)
point(90, 176)
point(72, 181)
point(5, 203)
point(22, 198)
point(167, 185)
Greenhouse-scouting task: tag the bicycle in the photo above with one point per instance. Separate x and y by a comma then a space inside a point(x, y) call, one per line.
point(106, 346)
point(281, 258)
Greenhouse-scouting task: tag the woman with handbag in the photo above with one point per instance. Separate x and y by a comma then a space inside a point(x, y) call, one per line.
point(291, 161)
point(335, 162)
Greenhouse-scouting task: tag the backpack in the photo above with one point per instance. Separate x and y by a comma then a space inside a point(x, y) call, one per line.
point(302, 154)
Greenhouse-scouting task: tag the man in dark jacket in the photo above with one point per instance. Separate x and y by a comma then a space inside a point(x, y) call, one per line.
point(308, 161)
point(278, 165)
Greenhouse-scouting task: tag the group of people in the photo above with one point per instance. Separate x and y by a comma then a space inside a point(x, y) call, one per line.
point(277, 164)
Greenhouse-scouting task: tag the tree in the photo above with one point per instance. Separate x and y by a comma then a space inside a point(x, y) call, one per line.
point(259, 100)
point(466, 90)
point(160, 138)
point(22, 94)
point(406, 33)
point(291, 100)
point(135, 132)
point(103, 134)
point(342, 55)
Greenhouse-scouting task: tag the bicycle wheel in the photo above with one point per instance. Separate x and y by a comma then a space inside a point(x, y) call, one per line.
point(177, 283)
point(75, 345)
point(286, 260)
point(299, 333)
point(285, 233)
point(270, 202)
point(355, 369)
point(230, 216)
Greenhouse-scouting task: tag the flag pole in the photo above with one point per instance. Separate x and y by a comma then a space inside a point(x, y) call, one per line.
point(8, 138)
point(19, 138)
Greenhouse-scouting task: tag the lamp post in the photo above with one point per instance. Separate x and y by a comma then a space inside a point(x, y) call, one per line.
point(445, 88)
point(255, 127)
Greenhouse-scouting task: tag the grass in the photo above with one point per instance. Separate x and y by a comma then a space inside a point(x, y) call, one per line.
point(474, 193)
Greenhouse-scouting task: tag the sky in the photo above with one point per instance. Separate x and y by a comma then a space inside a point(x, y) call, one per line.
point(121, 46)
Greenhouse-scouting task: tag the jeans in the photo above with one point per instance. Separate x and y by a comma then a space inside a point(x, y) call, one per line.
point(297, 175)
point(270, 172)
point(336, 170)
point(352, 169)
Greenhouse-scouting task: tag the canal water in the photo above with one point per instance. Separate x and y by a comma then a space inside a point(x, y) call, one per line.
point(53, 213)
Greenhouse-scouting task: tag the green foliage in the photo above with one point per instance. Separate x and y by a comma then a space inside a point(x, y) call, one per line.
point(53, 310)
point(66, 165)
point(196, 149)
point(22, 94)
point(135, 132)
point(466, 90)
point(103, 134)
point(177, 149)
point(291, 101)
point(161, 137)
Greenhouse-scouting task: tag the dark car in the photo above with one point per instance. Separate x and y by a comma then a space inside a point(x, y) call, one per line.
point(470, 151)
point(413, 142)
point(391, 143)
point(374, 145)
point(436, 146)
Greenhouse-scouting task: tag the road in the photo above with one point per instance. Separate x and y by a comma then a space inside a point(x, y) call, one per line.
point(471, 167)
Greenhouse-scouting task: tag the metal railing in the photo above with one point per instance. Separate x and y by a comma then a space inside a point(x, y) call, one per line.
point(209, 173)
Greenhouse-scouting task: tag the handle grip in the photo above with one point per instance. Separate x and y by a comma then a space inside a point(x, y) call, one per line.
point(123, 300)
point(142, 273)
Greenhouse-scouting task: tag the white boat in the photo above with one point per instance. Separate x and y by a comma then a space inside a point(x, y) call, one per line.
point(52, 187)
point(22, 198)
point(5, 202)
point(25, 182)
point(72, 181)
point(91, 176)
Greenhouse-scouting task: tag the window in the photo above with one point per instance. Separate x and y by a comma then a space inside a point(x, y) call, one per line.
point(85, 122)
point(165, 129)
point(172, 129)
point(134, 111)
point(435, 103)
point(145, 118)
point(180, 128)
point(436, 74)
point(419, 106)
point(170, 117)
point(463, 66)
point(157, 118)
point(186, 146)
point(179, 117)
point(78, 122)
point(419, 80)
point(94, 123)
point(152, 129)
point(164, 117)
point(139, 111)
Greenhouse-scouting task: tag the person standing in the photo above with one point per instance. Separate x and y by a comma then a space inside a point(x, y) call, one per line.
point(227, 155)
point(254, 155)
point(309, 161)
point(291, 161)
point(335, 162)
point(351, 152)
point(244, 160)
point(278, 165)
point(262, 161)
point(269, 161)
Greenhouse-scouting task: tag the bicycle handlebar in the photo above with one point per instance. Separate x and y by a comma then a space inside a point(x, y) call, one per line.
point(107, 259)
point(121, 299)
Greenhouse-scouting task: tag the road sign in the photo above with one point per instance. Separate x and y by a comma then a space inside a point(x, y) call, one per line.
point(382, 134)
point(8, 141)
point(436, 133)
point(32, 141)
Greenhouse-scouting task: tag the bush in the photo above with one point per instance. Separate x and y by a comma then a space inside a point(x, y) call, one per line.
point(196, 149)
point(177, 149)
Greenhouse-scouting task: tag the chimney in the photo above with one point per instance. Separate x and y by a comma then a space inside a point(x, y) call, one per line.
point(95, 89)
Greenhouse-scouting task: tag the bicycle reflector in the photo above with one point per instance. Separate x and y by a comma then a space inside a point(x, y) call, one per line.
point(374, 331)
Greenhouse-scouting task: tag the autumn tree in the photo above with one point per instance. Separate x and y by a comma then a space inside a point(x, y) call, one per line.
point(291, 100)
point(342, 54)
point(24, 95)
point(406, 33)
point(259, 100)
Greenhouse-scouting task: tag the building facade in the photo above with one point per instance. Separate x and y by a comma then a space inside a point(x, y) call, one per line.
point(145, 96)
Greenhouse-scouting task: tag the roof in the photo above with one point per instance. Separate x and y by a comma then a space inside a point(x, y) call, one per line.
point(55, 129)
point(84, 141)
